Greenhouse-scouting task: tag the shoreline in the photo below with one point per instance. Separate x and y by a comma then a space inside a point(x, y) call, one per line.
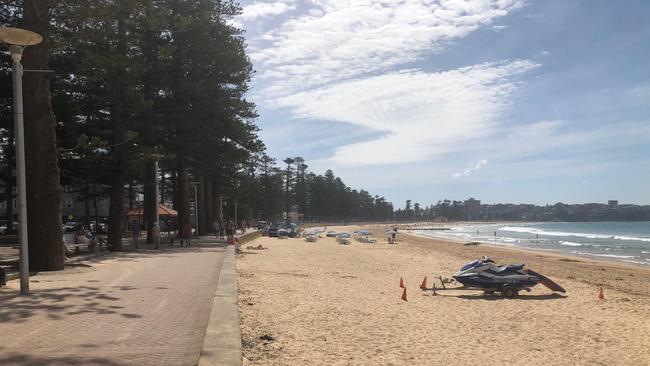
point(560, 253)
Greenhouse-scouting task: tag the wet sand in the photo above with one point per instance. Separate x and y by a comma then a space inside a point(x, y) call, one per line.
point(328, 304)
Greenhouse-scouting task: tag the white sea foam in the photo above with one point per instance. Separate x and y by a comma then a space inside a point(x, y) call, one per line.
point(635, 262)
point(570, 243)
point(611, 255)
point(634, 238)
point(530, 230)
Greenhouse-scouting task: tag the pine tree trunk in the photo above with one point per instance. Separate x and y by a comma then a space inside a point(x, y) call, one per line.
point(216, 197)
point(119, 173)
point(174, 183)
point(131, 194)
point(209, 204)
point(150, 199)
point(200, 204)
point(45, 233)
point(183, 193)
point(163, 187)
point(116, 207)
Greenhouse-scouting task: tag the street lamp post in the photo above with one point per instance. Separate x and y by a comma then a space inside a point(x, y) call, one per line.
point(220, 208)
point(196, 207)
point(18, 39)
point(196, 212)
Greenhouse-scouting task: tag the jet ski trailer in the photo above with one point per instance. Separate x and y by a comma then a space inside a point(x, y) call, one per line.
point(483, 274)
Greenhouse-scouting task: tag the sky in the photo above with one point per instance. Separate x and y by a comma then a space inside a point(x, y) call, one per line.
point(507, 101)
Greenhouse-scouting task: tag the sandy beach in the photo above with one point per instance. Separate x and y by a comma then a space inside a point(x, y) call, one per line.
point(328, 304)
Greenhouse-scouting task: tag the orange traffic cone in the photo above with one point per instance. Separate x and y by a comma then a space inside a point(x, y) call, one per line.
point(401, 283)
point(404, 295)
point(423, 286)
point(601, 296)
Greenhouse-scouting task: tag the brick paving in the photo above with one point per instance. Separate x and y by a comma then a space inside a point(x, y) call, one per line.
point(134, 308)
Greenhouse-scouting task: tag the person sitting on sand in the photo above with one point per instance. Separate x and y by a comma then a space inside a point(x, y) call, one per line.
point(259, 247)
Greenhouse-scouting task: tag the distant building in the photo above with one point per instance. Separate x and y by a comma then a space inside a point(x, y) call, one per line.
point(74, 208)
point(612, 203)
point(472, 209)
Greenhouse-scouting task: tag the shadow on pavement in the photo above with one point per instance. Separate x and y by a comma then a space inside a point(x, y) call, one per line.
point(58, 303)
point(150, 252)
point(29, 360)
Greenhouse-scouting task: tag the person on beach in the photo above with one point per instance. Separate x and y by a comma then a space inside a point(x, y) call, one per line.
point(221, 230)
point(186, 234)
point(135, 231)
point(229, 230)
point(237, 246)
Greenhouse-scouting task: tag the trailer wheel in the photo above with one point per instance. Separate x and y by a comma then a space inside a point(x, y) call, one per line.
point(509, 292)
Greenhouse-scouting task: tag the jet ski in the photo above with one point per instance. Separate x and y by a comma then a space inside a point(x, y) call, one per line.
point(506, 279)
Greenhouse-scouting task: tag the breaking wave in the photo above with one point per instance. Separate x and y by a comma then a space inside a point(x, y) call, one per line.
point(570, 243)
point(530, 230)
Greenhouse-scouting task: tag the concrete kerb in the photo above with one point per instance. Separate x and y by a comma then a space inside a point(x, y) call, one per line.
point(250, 236)
point(222, 343)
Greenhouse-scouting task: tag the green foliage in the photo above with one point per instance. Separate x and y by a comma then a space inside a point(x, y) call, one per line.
point(137, 79)
point(319, 198)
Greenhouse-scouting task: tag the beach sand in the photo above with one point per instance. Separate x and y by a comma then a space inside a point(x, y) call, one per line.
point(327, 304)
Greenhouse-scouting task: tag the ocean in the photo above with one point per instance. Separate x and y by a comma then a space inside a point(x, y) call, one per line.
point(622, 241)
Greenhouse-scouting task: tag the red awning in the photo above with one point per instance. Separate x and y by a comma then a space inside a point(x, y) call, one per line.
point(162, 211)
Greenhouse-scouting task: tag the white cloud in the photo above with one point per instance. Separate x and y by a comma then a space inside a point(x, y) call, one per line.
point(338, 61)
point(338, 40)
point(500, 27)
point(470, 170)
point(420, 114)
point(260, 9)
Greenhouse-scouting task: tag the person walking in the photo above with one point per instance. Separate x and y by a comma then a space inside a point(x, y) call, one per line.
point(221, 230)
point(135, 231)
point(187, 234)
point(229, 232)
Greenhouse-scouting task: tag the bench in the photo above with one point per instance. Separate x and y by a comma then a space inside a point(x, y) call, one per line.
point(90, 245)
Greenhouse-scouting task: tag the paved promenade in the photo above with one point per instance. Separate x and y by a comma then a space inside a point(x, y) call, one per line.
point(134, 308)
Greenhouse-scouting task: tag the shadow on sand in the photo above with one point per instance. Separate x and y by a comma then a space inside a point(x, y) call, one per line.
point(553, 296)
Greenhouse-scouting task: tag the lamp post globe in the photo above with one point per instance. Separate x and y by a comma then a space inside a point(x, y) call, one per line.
point(19, 37)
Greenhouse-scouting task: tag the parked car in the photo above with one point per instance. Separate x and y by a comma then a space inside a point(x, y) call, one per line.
point(331, 234)
point(273, 231)
point(261, 225)
point(70, 226)
point(95, 228)
point(283, 233)
point(3, 228)
point(292, 229)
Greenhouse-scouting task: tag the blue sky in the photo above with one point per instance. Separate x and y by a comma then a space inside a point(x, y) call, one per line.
point(502, 100)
